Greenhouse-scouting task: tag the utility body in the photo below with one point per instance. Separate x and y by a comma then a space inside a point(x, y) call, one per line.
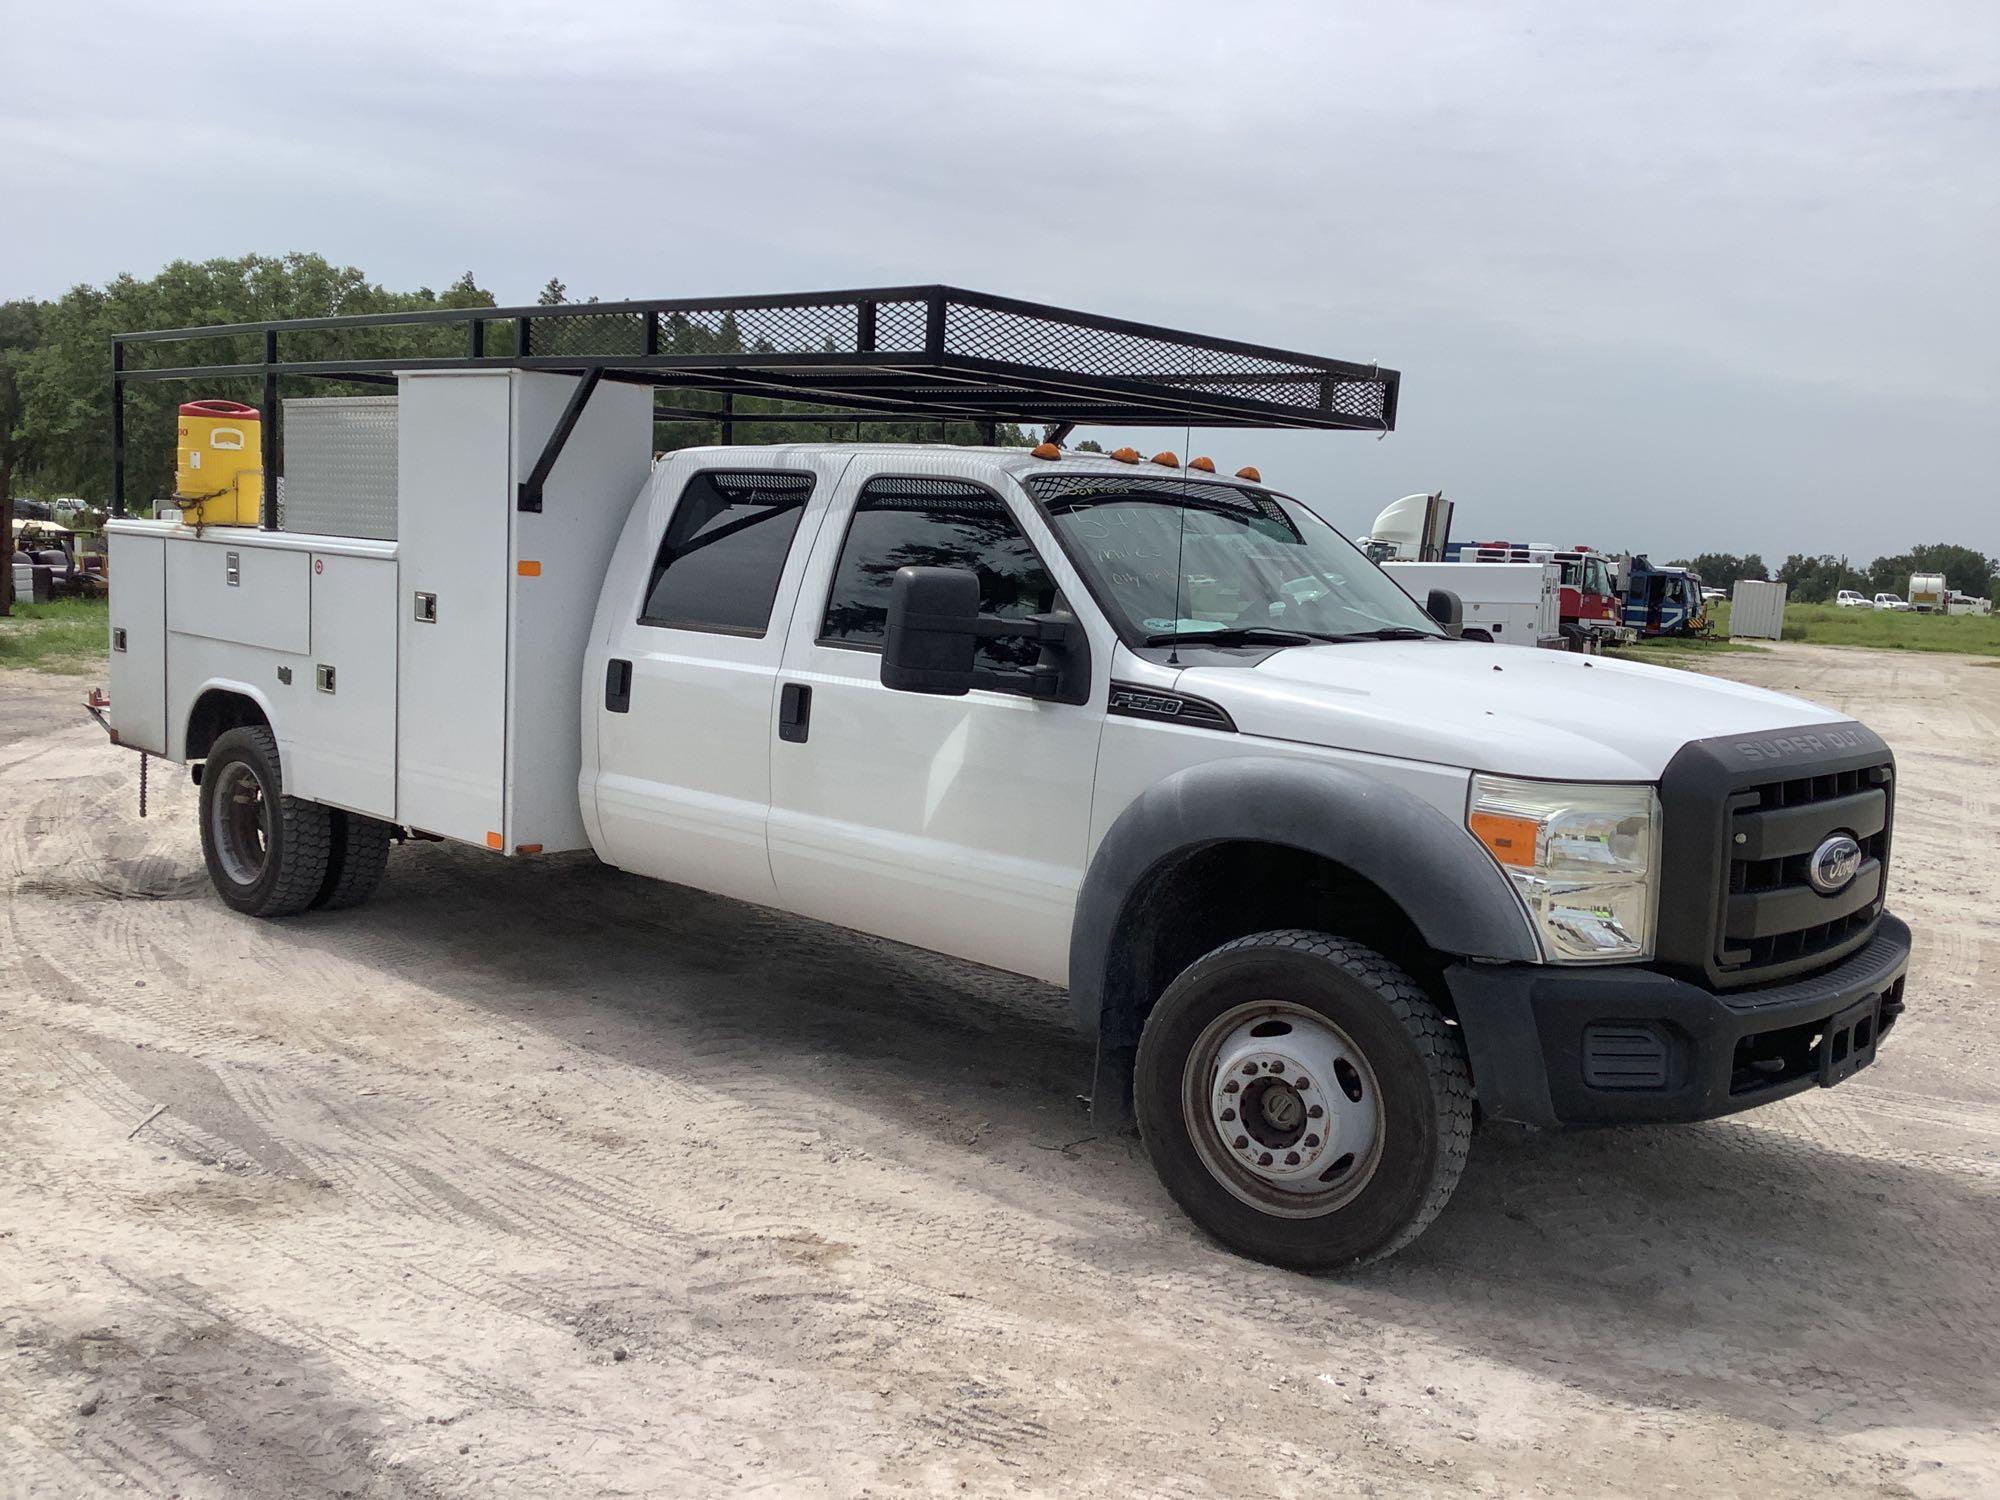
point(1320, 876)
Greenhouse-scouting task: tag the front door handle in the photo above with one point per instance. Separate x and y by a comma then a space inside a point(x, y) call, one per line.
point(795, 707)
point(618, 686)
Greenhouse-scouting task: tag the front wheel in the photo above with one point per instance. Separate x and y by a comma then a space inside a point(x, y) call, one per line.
point(1303, 1100)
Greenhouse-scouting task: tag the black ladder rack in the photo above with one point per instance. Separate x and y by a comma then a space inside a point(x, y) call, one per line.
point(885, 354)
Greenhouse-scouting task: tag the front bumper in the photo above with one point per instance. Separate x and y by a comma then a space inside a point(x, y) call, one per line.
point(1571, 1046)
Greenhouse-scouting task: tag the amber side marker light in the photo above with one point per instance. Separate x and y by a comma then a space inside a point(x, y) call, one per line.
point(1167, 460)
point(1204, 465)
point(1246, 472)
point(1046, 450)
point(1124, 455)
point(1510, 840)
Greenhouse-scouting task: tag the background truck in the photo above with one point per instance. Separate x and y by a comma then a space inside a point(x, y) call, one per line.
point(1417, 528)
point(1321, 877)
point(1659, 600)
point(1929, 595)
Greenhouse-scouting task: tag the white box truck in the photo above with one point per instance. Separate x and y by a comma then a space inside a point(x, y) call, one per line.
point(1322, 878)
point(1510, 604)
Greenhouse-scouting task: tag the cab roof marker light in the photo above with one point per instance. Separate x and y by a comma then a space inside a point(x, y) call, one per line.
point(1246, 472)
point(1202, 465)
point(1167, 459)
point(1045, 450)
point(1124, 455)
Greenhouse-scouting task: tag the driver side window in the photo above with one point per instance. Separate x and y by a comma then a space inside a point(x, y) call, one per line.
point(936, 523)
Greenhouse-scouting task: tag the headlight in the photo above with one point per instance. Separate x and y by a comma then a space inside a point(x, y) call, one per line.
point(1581, 856)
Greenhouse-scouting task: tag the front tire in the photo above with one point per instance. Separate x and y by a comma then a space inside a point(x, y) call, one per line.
point(266, 852)
point(1303, 1100)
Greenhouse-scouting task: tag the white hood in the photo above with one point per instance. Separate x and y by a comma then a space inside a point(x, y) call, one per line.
point(1509, 709)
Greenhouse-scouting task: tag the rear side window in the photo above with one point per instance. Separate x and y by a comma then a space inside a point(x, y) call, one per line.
point(725, 548)
point(935, 523)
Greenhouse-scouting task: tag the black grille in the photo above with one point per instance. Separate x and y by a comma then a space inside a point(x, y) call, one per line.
point(1743, 818)
point(1773, 914)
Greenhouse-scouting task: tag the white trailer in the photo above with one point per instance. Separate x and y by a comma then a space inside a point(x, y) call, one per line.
point(1511, 604)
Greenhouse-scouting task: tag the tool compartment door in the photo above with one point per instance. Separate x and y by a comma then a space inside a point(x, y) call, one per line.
point(139, 617)
point(454, 502)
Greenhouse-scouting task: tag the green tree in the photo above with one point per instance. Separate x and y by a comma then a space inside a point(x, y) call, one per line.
point(19, 331)
point(66, 380)
point(1815, 580)
point(1721, 570)
point(554, 294)
point(1965, 568)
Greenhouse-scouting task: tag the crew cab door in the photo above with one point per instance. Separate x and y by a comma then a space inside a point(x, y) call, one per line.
point(685, 703)
point(956, 824)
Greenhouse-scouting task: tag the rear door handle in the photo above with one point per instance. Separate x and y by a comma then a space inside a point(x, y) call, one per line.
point(618, 686)
point(795, 707)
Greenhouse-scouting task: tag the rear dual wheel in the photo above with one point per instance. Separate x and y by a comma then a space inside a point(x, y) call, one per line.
point(1303, 1100)
point(270, 855)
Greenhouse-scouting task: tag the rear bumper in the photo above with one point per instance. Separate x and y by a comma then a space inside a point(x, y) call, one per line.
point(1568, 1046)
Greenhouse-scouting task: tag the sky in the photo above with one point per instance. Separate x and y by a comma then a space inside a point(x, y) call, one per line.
point(1667, 278)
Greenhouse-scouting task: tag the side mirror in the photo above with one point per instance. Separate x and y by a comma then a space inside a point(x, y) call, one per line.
point(933, 631)
point(1447, 609)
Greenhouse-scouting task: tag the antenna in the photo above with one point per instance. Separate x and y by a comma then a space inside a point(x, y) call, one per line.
point(1180, 553)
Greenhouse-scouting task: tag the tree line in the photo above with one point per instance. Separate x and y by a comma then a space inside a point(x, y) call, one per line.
point(55, 369)
point(1819, 579)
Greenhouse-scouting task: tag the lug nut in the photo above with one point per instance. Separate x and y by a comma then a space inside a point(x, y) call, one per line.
point(1311, 1141)
point(1291, 1158)
point(1231, 1087)
point(1302, 1082)
point(1249, 1069)
point(1229, 1114)
point(1264, 1160)
point(1315, 1111)
point(1242, 1142)
point(1276, 1067)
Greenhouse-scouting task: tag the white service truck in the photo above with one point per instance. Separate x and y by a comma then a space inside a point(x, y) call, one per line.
point(1322, 879)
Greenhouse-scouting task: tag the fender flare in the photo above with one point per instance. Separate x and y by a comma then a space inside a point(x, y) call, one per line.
point(1440, 876)
point(241, 690)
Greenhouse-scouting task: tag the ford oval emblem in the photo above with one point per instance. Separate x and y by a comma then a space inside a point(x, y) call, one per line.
point(1834, 864)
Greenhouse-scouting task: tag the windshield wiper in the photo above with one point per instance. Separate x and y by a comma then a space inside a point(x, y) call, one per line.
point(1393, 633)
point(1233, 635)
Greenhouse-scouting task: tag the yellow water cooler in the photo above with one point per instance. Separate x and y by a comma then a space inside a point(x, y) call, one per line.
point(219, 480)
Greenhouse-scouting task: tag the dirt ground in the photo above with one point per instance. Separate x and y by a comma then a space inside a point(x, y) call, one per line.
point(534, 1179)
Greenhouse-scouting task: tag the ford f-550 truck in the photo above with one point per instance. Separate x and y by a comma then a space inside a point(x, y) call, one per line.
point(1322, 879)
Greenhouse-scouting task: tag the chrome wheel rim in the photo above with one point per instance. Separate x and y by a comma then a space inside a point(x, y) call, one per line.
point(240, 820)
point(1283, 1108)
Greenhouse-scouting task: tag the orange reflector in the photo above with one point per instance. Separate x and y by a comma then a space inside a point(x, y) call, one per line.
point(528, 569)
point(1124, 455)
point(1046, 450)
point(1167, 460)
point(1511, 840)
point(1246, 472)
point(1205, 465)
point(494, 841)
point(527, 848)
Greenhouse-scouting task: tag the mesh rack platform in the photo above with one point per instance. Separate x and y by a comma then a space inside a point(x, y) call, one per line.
point(912, 353)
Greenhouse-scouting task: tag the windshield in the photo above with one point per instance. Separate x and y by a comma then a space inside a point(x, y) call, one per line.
point(1171, 558)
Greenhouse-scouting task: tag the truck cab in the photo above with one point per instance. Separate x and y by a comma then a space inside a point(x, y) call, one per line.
point(1322, 877)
